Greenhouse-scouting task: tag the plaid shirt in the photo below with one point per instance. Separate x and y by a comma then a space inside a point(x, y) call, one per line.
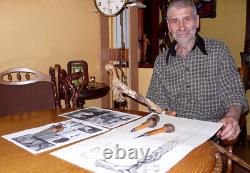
point(203, 85)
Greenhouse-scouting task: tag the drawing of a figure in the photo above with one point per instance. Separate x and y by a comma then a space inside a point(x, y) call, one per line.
point(151, 158)
point(89, 129)
point(113, 118)
point(32, 143)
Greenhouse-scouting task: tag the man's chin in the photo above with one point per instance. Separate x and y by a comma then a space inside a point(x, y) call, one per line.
point(183, 41)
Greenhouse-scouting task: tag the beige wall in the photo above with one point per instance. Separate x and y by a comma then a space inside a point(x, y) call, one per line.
point(229, 26)
point(41, 33)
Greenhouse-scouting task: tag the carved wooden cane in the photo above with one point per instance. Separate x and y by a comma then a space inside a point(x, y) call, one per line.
point(232, 156)
point(119, 88)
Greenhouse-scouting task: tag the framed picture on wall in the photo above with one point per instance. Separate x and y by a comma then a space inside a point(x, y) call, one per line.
point(206, 8)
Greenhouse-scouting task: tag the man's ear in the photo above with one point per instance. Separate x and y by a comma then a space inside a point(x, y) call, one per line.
point(197, 18)
point(168, 26)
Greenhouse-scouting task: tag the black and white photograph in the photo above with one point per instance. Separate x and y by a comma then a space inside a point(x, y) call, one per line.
point(102, 117)
point(33, 143)
point(50, 136)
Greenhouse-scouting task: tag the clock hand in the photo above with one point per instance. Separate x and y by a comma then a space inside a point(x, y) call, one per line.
point(109, 2)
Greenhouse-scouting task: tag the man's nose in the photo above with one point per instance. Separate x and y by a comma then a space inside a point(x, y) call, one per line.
point(181, 26)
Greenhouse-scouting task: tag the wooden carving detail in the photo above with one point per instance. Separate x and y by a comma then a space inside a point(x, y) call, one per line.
point(120, 88)
point(75, 90)
point(22, 76)
point(58, 75)
point(54, 87)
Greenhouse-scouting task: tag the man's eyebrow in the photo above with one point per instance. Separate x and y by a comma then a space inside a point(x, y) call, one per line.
point(172, 19)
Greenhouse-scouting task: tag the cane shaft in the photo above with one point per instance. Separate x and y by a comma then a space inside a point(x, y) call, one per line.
point(232, 156)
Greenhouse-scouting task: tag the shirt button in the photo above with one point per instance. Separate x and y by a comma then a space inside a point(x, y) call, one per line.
point(188, 86)
point(187, 68)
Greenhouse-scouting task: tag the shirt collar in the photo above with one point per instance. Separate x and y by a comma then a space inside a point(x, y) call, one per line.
point(199, 42)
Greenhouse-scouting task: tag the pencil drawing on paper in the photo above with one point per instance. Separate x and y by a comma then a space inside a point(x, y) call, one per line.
point(150, 159)
point(33, 143)
point(46, 137)
point(102, 117)
point(100, 154)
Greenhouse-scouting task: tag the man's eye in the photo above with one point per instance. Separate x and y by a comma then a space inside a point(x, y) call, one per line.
point(174, 21)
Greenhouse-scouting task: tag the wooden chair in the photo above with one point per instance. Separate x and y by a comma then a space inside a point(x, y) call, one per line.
point(58, 75)
point(74, 90)
point(24, 90)
point(82, 81)
point(244, 72)
point(69, 85)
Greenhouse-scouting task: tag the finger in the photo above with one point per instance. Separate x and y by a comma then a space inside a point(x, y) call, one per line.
point(236, 134)
point(229, 135)
point(218, 133)
point(228, 131)
point(229, 124)
point(227, 128)
point(232, 133)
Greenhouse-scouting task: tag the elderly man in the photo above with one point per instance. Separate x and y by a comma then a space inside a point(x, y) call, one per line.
point(197, 77)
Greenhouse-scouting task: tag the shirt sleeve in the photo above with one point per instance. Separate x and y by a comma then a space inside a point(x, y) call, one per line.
point(157, 91)
point(231, 86)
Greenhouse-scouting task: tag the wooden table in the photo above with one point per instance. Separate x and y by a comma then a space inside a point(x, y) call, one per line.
point(14, 159)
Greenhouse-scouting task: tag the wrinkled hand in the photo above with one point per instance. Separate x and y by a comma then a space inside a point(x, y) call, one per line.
point(230, 129)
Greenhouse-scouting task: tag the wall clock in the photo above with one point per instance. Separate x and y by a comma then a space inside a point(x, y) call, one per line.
point(110, 7)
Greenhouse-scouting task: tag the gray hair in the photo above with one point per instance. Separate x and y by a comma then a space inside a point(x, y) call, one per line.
point(182, 4)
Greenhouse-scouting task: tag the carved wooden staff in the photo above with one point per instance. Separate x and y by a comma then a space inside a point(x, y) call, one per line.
point(232, 156)
point(119, 88)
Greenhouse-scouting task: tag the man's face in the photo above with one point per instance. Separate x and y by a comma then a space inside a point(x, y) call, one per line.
point(182, 24)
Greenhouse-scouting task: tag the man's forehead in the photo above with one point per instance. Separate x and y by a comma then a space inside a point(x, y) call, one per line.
point(176, 12)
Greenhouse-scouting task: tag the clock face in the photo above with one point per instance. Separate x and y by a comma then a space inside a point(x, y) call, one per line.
point(110, 7)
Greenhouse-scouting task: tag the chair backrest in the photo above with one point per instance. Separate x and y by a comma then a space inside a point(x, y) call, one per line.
point(229, 144)
point(69, 85)
point(73, 91)
point(25, 90)
point(244, 72)
point(58, 75)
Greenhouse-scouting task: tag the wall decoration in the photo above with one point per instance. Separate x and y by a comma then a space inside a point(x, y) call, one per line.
point(206, 8)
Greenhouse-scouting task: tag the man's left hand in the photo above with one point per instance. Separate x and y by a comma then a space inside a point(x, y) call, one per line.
point(230, 129)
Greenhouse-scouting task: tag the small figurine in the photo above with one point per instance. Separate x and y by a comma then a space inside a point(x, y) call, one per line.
point(145, 43)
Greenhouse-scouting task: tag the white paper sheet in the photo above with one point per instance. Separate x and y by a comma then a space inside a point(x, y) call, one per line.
point(119, 150)
point(102, 117)
point(74, 130)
